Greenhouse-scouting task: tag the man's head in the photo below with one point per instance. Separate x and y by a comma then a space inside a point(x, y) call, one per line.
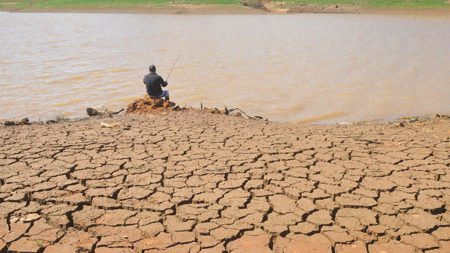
point(152, 68)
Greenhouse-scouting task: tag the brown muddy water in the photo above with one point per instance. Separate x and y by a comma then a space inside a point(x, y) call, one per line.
point(309, 67)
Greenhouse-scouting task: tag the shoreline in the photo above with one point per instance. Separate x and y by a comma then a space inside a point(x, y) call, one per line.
point(157, 107)
point(236, 112)
point(233, 9)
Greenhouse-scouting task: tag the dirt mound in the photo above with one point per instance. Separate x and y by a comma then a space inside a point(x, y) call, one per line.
point(148, 104)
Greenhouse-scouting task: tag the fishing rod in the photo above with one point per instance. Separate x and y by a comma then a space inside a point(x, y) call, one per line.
point(175, 63)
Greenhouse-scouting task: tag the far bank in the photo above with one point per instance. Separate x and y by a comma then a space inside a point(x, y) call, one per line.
point(428, 7)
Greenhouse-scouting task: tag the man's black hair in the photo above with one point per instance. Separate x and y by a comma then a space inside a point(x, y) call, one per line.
point(152, 68)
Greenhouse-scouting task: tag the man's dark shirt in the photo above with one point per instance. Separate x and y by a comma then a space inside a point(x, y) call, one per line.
point(153, 82)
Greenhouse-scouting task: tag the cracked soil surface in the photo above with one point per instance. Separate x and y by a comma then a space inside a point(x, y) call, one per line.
point(198, 182)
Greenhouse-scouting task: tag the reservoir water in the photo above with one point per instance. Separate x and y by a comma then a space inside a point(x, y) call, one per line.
point(322, 68)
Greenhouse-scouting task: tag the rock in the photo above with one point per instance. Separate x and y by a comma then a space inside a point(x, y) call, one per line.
point(31, 217)
point(215, 111)
point(14, 219)
point(103, 124)
point(9, 123)
point(442, 116)
point(92, 112)
point(25, 121)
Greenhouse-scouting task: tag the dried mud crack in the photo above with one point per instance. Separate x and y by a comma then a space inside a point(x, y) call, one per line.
point(202, 182)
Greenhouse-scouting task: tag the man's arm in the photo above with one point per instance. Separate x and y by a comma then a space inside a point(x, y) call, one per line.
point(162, 82)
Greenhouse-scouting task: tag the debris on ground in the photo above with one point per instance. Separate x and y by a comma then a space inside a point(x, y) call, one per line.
point(24, 121)
point(233, 112)
point(442, 116)
point(216, 111)
point(399, 124)
point(107, 125)
point(92, 112)
point(410, 119)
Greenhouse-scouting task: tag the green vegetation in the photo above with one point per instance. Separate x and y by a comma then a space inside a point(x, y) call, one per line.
point(49, 4)
point(411, 3)
point(376, 3)
point(126, 2)
point(104, 3)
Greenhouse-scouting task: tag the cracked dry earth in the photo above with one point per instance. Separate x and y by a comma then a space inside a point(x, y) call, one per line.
point(198, 182)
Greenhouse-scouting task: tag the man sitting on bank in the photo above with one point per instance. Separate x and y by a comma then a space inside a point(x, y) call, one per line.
point(153, 83)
